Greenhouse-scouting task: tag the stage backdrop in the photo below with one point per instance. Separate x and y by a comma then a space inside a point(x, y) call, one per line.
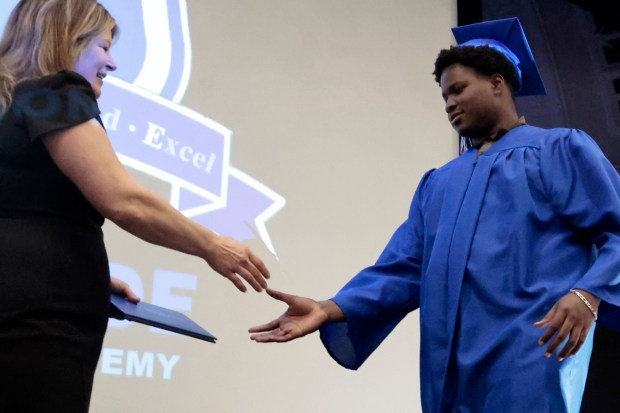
point(301, 127)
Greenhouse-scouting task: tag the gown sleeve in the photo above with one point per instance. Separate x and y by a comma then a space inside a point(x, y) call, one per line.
point(584, 188)
point(380, 296)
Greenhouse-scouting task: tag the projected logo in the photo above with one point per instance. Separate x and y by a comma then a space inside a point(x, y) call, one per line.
point(151, 132)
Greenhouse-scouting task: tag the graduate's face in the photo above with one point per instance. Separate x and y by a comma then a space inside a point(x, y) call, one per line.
point(471, 100)
point(96, 61)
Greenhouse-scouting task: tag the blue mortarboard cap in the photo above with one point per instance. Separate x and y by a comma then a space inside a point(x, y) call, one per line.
point(506, 36)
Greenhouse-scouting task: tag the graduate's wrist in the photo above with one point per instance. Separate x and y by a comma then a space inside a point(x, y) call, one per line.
point(588, 299)
point(333, 312)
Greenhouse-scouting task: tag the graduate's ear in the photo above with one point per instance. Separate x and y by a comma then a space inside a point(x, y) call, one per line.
point(498, 82)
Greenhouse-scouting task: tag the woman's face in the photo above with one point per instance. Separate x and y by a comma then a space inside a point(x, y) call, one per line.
point(96, 61)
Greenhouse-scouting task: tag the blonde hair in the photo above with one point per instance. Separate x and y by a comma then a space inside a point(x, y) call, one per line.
point(43, 37)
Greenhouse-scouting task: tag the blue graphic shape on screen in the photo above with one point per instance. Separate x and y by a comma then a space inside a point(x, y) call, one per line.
point(153, 133)
point(153, 50)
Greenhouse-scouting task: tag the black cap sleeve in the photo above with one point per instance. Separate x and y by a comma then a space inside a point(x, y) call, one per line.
point(53, 103)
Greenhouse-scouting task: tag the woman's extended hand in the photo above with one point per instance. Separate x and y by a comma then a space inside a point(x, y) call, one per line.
point(235, 261)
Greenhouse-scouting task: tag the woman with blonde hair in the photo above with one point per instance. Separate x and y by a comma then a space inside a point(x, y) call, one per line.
point(59, 180)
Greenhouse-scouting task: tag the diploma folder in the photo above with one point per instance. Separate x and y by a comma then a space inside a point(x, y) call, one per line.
point(156, 316)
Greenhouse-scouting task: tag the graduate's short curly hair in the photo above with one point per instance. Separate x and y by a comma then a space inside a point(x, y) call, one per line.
point(483, 59)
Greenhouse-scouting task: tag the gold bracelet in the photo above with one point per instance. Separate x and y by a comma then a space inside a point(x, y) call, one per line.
point(586, 302)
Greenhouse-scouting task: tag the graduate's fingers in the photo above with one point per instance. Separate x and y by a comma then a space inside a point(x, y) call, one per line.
point(548, 334)
point(264, 327)
point(263, 337)
point(274, 336)
point(582, 339)
point(280, 296)
point(547, 318)
point(573, 344)
point(559, 338)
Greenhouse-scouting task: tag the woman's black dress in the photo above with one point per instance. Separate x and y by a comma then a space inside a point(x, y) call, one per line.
point(54, 275)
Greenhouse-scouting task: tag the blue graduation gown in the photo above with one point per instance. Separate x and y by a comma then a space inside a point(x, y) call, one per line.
point(491, 243)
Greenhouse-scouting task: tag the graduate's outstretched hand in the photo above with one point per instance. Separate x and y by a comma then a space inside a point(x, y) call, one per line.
point(571, 318)
point(303, 316)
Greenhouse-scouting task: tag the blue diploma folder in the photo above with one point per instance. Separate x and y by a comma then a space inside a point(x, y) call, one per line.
point(156, 316)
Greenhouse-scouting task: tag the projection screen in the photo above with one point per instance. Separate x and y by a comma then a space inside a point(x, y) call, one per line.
point(300, 127)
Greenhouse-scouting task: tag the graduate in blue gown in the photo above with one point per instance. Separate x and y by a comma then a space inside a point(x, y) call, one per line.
point(496, 253)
